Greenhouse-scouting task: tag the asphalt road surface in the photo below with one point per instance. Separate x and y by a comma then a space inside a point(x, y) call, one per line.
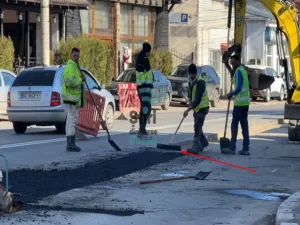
point(99, 185)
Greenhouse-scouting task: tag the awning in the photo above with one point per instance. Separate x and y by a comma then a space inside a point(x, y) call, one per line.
point(71, 4)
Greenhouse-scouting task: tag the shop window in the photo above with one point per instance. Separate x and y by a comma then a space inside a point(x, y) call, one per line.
point(125, 25)
point(138, 45)
point(86, 19)
point(124, 43)
point(269, 55)
point(215, 60)
point(153, 15)
point(103, 18)
point(141, 22)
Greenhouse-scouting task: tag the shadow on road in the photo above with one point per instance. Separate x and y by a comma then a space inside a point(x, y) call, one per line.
point(33, 131)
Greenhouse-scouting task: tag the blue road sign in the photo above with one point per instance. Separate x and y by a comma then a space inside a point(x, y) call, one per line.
point(184, 18)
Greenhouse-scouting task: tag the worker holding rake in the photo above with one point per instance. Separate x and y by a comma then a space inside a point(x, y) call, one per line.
point(200, 104)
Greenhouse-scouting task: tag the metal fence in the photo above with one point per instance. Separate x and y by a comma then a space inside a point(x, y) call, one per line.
point(20, 63)
point(179, 58)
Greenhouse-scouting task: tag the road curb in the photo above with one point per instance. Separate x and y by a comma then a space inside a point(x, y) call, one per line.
point(285, 214)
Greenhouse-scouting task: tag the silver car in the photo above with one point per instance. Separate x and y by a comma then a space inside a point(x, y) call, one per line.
point(35, 98)
point(6, 80)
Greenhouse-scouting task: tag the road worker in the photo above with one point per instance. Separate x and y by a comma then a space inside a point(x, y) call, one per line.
point(144, 81)
point(73, 97)
point(200, 104)
point(241, 107)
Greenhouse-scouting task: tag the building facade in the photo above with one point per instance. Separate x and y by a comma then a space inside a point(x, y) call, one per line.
point(126, 25)
point(204, 33)
point(202, 39)
point(21, 21)
point(259, 45)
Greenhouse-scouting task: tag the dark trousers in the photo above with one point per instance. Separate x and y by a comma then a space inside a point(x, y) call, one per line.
point(145, 113)
point(240, 115)
point(200, 141)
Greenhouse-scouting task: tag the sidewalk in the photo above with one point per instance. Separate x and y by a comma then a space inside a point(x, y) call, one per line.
point(289, 211)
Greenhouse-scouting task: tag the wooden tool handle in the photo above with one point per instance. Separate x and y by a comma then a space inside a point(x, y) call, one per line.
point(164, 180)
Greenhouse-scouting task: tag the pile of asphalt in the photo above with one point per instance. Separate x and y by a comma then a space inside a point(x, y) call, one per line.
point(35, 185)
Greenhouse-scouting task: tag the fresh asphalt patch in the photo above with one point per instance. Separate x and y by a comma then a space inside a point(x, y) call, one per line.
point(35, 185)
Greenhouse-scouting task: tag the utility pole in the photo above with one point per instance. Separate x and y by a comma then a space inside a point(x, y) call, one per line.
point(45, 27)
point(198, 32)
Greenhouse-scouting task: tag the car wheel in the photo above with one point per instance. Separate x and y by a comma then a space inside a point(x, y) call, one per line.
point(19, 128)
point(166, 105)
point(109, 118)
point(254, 98)
point(281, 95)
point(268, 95)
point(61, 128)
point(216, 99)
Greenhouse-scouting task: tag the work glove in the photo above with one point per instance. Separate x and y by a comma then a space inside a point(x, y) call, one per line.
point(229, 95)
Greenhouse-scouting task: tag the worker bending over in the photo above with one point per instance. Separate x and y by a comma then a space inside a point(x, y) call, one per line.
point(144, 81)
point(200, 104)
point(241, 107)
point(73, 96)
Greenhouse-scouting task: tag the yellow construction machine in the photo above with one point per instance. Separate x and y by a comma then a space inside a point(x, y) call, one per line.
point(286, 16)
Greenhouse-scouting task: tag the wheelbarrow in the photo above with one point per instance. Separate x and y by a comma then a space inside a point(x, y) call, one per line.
point(7, 204)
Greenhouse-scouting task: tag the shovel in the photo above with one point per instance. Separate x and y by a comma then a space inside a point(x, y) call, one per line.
point(225, 142)
point(111, 142)
point(171, 147)
point(199, 176)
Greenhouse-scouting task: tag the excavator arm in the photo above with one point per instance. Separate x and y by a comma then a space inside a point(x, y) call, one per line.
point(285, 13)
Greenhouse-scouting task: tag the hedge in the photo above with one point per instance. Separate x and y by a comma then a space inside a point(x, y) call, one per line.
point(7, 54)
point(159, 59)
point(95, 55)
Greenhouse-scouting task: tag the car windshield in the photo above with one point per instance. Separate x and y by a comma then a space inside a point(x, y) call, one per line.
point(180, 71)
point(125, 76)
point(35, 78)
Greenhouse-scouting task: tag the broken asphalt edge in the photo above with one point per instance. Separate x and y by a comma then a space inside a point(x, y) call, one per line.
point(287, 210)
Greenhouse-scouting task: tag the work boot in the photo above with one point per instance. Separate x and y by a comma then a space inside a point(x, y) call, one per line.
point(228, 151)
point(73, 146)
point(142, 134)
point(192, 151)
point(68, 143)
point(204, 142)
point(196, 147)
point(244, 152)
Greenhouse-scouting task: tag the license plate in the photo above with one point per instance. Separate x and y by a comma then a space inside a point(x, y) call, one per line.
point(30, 95)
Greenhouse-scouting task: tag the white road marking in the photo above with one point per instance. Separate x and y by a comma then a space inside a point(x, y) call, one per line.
point(113, 133)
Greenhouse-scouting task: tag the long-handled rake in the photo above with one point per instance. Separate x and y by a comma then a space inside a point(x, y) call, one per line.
point(169, 146)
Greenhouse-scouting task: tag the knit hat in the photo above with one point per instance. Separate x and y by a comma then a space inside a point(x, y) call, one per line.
point(192, 69)
point(146, 47)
